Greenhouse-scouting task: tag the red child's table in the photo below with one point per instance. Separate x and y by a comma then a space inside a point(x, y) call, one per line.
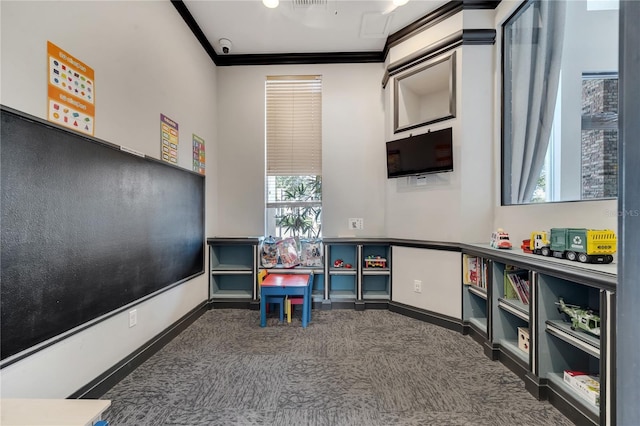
point(286, 285)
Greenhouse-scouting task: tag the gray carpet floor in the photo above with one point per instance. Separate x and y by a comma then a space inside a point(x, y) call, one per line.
point(368, 368)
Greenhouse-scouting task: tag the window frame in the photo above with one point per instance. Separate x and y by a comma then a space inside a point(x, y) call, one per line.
point(306, 168)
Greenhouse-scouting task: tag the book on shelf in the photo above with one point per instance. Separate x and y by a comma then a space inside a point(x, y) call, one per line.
point(516, 286)
point(585, 385)
point(523, 287)
point(485, 272)
point(475, 271)
point(510, 289)
point(470, 270)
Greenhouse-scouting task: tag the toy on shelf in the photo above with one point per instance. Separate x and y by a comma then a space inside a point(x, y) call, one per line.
point(500, 239)
point(339, 263)
point(526, 246)
point(586, 385)
point(288, 252)
point(581, 244)
point(523, 339)
point(311, 252)
point(269, 253)
point(581, 319)
point(373, 261)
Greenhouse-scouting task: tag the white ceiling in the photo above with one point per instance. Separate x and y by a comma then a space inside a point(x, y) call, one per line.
point(329, 27)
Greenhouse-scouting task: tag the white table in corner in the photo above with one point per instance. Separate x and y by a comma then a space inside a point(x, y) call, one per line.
point(52, 412)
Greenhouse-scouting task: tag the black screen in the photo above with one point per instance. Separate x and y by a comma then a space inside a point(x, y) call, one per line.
point(426, 153)
point(87, 229)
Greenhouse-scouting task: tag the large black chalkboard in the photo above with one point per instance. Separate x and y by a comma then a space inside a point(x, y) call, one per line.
point(86, 229)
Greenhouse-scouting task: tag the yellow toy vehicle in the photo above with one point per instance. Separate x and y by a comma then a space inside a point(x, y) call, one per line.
point(583, 245)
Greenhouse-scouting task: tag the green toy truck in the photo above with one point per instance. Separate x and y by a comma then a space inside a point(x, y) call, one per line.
point(583, 245)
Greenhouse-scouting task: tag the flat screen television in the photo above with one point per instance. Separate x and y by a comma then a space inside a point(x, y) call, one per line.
point(430, 152)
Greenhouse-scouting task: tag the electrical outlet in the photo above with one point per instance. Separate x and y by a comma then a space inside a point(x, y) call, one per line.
point(356, 223)
point(417, 286)
point(133, 318)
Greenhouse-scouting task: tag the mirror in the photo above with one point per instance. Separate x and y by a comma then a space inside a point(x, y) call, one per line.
point(425, 95)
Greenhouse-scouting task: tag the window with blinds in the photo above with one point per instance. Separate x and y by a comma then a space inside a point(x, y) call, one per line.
point(293, 134)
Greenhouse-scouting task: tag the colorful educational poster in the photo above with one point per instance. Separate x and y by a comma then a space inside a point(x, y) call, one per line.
point(169, 145)
point(71, 91)
point(198, 154)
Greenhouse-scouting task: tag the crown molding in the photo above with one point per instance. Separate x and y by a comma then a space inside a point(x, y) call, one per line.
point(463, 37)
point(447, 10)
point(195, 29)
point(299, 58)
point(442, 13)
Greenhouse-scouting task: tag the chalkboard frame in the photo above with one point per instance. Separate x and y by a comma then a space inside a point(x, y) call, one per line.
point(196, 248)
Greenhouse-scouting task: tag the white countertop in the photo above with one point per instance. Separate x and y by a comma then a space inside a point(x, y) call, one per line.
point(51, 412)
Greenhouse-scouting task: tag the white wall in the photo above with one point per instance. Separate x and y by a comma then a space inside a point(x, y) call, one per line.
point(146, 62)
point(440, 274)
point(478, 144)
point(428, 211)
point(457, 206)
point(453, 207)
point(353, 151)
point(519, 221)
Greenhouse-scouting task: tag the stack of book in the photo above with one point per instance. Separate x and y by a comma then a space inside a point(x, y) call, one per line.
point(516, 286)
point(475, 271)
point(585, 385)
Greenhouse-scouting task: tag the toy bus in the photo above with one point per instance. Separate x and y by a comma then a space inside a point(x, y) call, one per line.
point(583, 245)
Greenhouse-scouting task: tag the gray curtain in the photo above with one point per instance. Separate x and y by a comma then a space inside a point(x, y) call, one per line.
point(535, 43)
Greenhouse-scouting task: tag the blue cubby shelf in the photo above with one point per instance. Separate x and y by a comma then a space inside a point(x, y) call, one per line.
point(375, 287)
point(342, 287)
point(346, 253)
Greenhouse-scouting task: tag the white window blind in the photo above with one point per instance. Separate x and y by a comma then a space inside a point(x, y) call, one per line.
point(294, 125)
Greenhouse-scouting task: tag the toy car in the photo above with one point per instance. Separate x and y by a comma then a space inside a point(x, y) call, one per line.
point(339, 263)
point(500, 239)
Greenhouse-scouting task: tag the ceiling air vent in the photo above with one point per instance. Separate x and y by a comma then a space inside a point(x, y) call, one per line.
point(307, 3)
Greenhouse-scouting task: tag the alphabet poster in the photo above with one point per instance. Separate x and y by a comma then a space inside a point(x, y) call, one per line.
point(198, 154)
point(71, 91)
point(169, 146)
